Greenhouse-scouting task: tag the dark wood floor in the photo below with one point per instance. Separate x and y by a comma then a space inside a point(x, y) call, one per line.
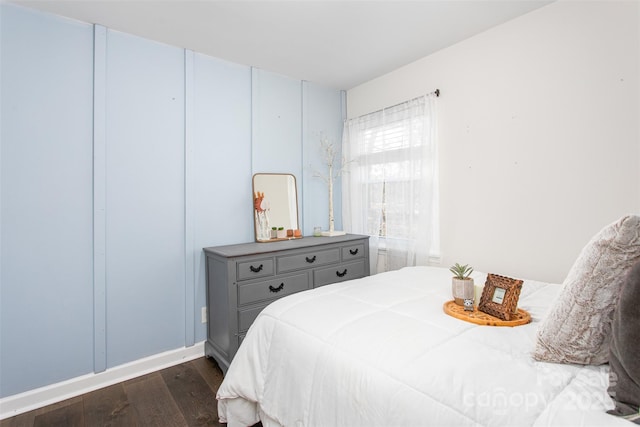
point(183, 395)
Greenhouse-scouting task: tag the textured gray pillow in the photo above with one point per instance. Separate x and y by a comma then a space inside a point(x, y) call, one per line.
point(578, 326)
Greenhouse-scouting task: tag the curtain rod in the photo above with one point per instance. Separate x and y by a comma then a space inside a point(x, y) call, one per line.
point(435, 92)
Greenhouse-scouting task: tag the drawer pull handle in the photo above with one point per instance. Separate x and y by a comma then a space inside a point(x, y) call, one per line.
point(254, 269)
point(310, 260)
point(353, 252)
point(341, 274)
point(278, 289)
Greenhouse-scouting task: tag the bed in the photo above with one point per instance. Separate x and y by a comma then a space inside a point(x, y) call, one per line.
point(380, 351)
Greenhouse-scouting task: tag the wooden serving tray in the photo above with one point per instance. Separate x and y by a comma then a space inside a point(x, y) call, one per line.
point(478, 317)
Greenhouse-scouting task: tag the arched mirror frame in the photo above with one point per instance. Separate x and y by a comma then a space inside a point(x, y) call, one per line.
point(275, 207)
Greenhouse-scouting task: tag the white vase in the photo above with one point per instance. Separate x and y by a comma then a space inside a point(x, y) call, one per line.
point(462, 289)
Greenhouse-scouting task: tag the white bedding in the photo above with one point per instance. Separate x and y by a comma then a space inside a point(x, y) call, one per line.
point(380, 351)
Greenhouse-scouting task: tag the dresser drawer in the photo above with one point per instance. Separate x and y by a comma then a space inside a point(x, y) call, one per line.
point(308, 260)
point(338, 273)
point(352, 252)
point(255, 268)
point(247, 316)
point(272, 289)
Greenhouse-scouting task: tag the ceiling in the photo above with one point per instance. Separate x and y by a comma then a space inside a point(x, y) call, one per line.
point(338, 44)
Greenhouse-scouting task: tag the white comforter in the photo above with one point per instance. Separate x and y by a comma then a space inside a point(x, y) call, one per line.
point(380, 351)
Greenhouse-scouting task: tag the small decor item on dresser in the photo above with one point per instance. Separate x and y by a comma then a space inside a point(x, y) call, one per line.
point(500, 296)
point(335, 168)
point(281, 233)
point(261, 208)
point(461, 284)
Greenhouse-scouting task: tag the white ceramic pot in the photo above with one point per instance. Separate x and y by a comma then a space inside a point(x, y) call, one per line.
point(462, 289)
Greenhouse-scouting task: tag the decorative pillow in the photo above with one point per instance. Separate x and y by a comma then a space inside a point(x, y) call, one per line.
point(624, 358)
point(577, 328)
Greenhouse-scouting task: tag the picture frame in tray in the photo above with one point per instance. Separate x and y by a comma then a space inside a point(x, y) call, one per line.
point(500, 296)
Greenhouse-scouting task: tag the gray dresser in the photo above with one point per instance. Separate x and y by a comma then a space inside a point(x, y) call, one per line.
point(243, 279)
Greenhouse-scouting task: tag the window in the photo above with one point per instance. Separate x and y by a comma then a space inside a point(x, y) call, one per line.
point(390, 190)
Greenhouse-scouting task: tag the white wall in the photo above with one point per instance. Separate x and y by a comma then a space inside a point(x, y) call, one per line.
point(539, 134)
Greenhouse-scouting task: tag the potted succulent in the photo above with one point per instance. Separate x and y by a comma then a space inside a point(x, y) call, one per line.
point(274, 232)
point(281, 233)
point(462, 285)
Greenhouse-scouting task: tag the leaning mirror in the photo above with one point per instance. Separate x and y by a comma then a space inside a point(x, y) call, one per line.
point(275, 207)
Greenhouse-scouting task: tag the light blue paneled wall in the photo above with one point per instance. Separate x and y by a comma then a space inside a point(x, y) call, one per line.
point(277, 123)
point(287, 112)
point(221, 126)
point(46, 292)
point(121, 158)
point(145, 193)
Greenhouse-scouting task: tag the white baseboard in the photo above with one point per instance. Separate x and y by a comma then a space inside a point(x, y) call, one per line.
point(43, 396)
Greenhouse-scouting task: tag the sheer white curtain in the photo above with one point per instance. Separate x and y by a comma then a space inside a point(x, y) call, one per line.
point(390, 191)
